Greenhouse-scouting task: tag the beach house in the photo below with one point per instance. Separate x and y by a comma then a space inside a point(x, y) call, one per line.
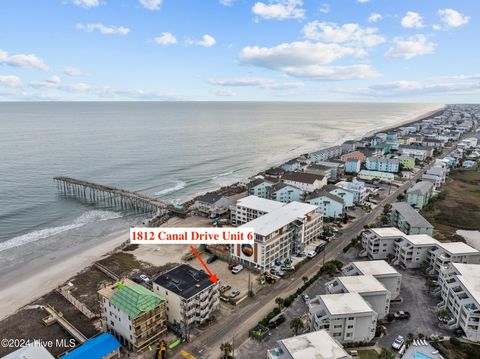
point(418, 152)
point(306, 181)
point(320, 170)
point(355, 155)
point(368, 175)
point(382, 164)
point(191, 297)
point(285, 193)
point(348, 196)
point(211, 203)
point(408, 220)
point(259, 187)
point(436, 175)
point(133, 314)
point(352, 166)
point(358, 189)
point(330, 205)
point(336, 168)
point(419, 194)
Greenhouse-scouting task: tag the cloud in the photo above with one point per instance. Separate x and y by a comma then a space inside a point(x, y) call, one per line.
point(306, 60)
point(105, 30)
point(349, 34)
point(408, 48)
point(226, 2)
point(55, 82)
point(224, 93)
point(416, 88)
point(412, 20)
point(109, 92)
point(280, 9)
point(260, 82)
point(10, 81)
point(324, 8)
point(151, 4)
point(363, 1)
point(72, 71)
point(167, 38)
point(206, 41)
point(87, 3)
point(452, 18)
point(374, 17)
point(22, 60)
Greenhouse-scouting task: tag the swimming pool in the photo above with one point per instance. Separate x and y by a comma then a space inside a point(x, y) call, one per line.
point(419, 355)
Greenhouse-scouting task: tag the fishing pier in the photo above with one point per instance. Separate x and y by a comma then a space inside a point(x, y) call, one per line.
point(114, 197)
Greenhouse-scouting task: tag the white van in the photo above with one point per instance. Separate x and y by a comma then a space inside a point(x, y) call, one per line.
point(311, 254)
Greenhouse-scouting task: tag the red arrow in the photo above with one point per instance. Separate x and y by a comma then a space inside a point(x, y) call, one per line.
point(213, 277)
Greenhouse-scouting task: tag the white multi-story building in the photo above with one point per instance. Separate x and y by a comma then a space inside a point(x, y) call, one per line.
point(412, 251)
point(191, 297)
point(357, 187)
point(460, 291)
point(279, 234)
point(318, 345)
point(135, 315)
point(368, 287)
point(347, 317)
point(248, 208)
point(307, 182)
point(380, 269)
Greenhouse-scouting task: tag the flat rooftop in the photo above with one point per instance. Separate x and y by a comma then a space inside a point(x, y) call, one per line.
point(377, 267)
point(345, 303)
point(259, 204)
point(388, 232)
point(467, 270)
point(361, 284)
point(184, 281)
point(318, 345)
point(273, 221)
point(457, 247)
point(421, 240)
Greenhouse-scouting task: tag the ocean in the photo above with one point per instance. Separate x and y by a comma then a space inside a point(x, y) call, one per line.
point(167, 150)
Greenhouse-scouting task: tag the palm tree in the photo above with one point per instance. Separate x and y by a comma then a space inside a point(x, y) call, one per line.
point(226, 348)
point(279, 302)
point(296, 324)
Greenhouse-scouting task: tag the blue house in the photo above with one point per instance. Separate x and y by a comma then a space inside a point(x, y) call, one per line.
point(353, 166)
point(259, 187)
point(102, 346)
point(329, 205)
point(291, 165)
point(286, 193)
point(345, 194)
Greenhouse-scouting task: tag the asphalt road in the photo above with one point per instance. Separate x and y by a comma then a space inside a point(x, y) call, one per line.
point(235, 327)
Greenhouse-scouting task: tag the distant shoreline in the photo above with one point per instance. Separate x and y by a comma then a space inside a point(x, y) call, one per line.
point(45, 275)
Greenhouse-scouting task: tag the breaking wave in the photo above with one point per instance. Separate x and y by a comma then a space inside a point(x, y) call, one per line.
point(178, 186)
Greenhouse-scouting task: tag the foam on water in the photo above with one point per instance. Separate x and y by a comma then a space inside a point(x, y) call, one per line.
point(178, 186)
point(87, 217)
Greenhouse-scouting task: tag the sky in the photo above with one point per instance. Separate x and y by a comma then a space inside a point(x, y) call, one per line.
point(240, 50)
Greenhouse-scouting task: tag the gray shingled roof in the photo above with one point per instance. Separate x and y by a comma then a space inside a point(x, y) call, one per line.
point(414, 218)
point(421, 187)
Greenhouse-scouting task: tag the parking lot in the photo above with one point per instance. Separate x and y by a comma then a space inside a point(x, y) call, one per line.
point(236, 281)
point(422, 307)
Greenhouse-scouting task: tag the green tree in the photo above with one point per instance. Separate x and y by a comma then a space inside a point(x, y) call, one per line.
point(443, 314)
point(430, 285)
point(279, 301)
point(296, 324)
point(386, 354)
point(226, 348)
point(305, 279)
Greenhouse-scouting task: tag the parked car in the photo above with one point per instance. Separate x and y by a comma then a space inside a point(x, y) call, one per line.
point(300, 254)
point(237, 269)
point(224, 288)
point(212, 258)
point(276, 321)
point(276, 272)
point(289, 268)
point(234, 294)
point(401, 315)
point(278, 262)
point(144, 278)
point(305, 298)
point(311, 254)
point(320, 248)
point(231, 265)
point(397, 343)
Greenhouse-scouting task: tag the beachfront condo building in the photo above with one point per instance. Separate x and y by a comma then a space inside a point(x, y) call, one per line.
point(358, 189)
point(135, 315)
point(307, 182)
point(383, 164)
point(279, 234)
point(380, 176)
point(329, 205)
point(408, 220)
point(347, 317)
point(191, 297)
point(368, 287)
point(417, 152)
point(248, 208)
point(318, 345)
point(381, 270)
point(436, 175)
point(353, 166)
point(286, 193)
point(415, 251)
point(259, 187)
point(458, 286)
point(325, 154)
point(419, 194)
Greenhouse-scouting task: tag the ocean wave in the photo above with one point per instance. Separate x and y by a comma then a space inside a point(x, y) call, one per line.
point(178, 186)
point(223, 174)
point(87, 217)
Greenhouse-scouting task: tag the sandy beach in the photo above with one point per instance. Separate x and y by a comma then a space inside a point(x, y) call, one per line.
point(39, 277)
